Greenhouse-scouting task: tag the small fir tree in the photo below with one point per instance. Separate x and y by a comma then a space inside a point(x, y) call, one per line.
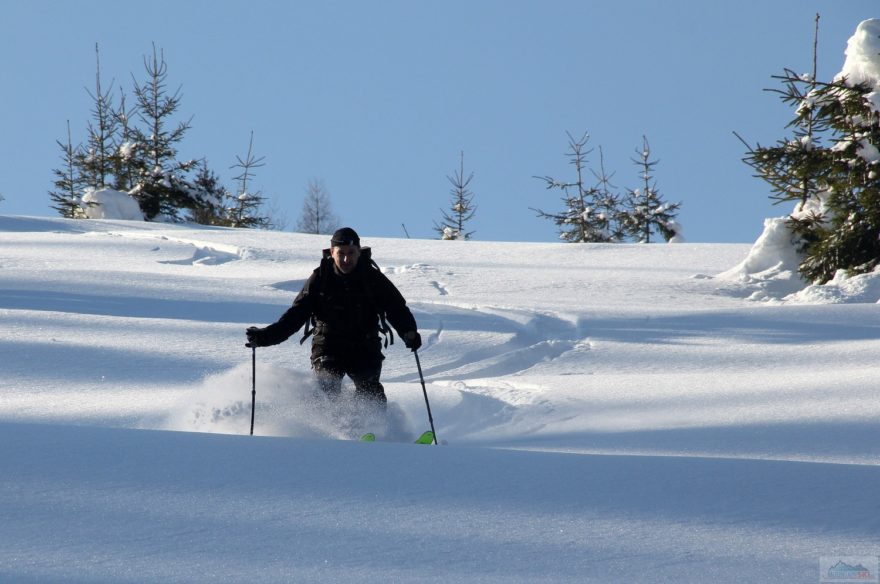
point(608, 201)
point(646, 211)
point(66, 197)
point(211, 197)
point(245, 208)
point(462, 209)
point(582, 220)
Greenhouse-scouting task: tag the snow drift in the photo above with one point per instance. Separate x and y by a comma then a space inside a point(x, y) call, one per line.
point(111, 204)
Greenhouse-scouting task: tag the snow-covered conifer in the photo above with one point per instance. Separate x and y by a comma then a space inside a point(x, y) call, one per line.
point(830, 167)
point(244, 208)
point(97, 162)
point(210, 196)
point(646, 211)
point(582, 219)
point(162, 187)
point(128, 149)
point(462, 208)
point(608, 201)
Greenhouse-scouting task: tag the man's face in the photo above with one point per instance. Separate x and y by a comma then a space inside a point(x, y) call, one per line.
point(345, 257)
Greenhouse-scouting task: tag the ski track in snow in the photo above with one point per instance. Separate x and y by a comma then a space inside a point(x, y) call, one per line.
point(533, 338)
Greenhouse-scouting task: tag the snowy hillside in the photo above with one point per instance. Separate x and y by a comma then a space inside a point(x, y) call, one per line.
point(613, 413)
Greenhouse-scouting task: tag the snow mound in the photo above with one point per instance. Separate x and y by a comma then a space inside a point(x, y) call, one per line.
point(676, 227)
point(110, 204)
point(862, 63)
point(842, 289)
point(771, 267)
point(770, 273)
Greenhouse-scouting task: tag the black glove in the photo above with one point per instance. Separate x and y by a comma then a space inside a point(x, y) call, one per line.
point(412, 340)
point(254, 337)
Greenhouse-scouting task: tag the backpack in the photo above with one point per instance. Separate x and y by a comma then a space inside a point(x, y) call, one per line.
point(325, 272)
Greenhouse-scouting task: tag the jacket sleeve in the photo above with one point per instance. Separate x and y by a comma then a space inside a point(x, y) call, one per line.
point(295, 316)
point(394, 305)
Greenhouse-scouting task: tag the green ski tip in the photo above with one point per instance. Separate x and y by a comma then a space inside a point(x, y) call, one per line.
point(426, 438)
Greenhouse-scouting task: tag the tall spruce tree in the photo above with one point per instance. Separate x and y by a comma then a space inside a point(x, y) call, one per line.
point(67, 194)
point(462, 208)
point(646, 211)
point(830, 169)
point(830, 172)
point(581, 220)
point(162, 187)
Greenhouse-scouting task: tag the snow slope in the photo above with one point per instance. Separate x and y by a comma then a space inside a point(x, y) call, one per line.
point(613, 413)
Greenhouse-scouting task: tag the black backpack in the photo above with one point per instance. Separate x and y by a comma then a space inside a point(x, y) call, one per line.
point(325, 271)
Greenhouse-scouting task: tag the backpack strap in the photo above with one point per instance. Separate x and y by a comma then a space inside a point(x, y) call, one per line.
point(308, 329)
point(323, 273)
point(384, 328)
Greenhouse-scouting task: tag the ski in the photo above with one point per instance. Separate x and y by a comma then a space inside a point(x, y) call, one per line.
point(425, 438)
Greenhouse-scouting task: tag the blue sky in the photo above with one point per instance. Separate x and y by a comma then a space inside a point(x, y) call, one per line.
point(377, 99)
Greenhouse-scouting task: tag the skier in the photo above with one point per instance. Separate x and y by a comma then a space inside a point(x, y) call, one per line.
point(346, 300)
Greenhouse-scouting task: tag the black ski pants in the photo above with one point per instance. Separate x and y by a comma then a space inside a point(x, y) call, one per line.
point(329, 373)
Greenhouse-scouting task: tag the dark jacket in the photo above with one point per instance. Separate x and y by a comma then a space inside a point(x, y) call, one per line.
point(346, 311)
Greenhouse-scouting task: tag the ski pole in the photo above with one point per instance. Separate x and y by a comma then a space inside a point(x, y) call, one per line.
point(253, 384)
point(425, 391)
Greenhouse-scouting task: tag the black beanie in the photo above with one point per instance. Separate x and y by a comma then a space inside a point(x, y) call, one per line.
point(345, 236)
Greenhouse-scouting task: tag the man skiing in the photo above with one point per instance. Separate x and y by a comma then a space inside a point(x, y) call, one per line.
point(345, 300)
